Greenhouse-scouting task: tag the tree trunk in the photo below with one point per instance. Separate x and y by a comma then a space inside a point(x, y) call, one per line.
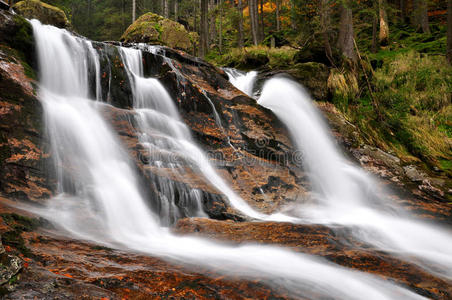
point(421, 15)
point(293, 20)
point(240, 38)
point(383, 36)
point(346, 36)
point(325, 27)
point(134, 10)
point(165, 8)
point(220, 33)
point(123, 15)
point(204, 28)
point(176, 10)
point(212, 22)
point(449, 31)
point(402, 10)
point(374, 30)
point(278, 24)
point(261, 21)
point(252, 4)
point(162, 7)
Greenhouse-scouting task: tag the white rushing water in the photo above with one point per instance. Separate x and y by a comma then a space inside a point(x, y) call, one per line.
point(347, 195)
point(100, 198)
point(243, 81)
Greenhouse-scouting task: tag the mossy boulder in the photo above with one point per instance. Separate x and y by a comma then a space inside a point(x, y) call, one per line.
point(154, 29)
point(314, 76)
point(47, 14)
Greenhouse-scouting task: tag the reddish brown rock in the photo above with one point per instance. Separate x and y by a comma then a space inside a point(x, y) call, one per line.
point(334, 243)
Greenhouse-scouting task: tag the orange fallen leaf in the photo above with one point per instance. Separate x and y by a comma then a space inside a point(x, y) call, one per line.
point(68, 275)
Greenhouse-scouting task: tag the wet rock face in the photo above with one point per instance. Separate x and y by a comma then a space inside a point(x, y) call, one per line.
point(47, 14)
point(22, 147)
point(336, 244)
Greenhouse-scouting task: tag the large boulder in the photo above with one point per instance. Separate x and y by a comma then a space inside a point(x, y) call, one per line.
point(47, 14)
point(154, 29)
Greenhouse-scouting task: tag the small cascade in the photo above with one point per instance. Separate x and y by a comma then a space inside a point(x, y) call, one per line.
point(157, 114)
point(243, 81)
point(105, 201)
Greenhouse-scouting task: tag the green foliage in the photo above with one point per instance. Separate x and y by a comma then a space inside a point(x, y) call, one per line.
point(413, 93)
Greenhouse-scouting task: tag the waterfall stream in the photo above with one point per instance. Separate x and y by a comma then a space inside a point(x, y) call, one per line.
point(100, 197)
point(346, 194)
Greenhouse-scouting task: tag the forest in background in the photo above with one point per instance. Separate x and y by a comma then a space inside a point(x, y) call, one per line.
point(293, 23)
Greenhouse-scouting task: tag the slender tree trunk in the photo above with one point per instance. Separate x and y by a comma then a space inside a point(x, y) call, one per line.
point(134, 10)
point(383, 36)
point(176, 10)
point(325, 27)
point(261, 21)
point(166, 9)
point(293, 20)
point(345, 40)
point(220, 33)
point(449, 31)
point(123, 15)
point(240, 37)
point(253, 18)
point(402, 5)
point(374, 30)
point(89, 18)
point(421, 15)
point(278, 23)
point(204, 28)
point(212, 22)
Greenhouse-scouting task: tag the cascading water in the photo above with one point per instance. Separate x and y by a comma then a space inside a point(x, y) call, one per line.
point(104, 203)
point(157, 112)
point(242, 81)
point(347, 195)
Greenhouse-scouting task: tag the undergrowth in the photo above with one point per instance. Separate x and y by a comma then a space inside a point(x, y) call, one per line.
point(410, 110)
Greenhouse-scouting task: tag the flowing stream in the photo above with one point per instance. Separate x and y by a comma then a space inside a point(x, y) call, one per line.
point(100, 196)
point(344, 193)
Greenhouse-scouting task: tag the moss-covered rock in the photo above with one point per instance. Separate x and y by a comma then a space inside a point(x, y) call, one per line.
point(154, 29)
point(314, 76)
point(47, 14)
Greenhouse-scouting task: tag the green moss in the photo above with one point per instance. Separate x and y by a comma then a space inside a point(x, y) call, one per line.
point(47, 14)
point(445, 165)
point(14, 239)
point(19, 222)
point(255, 57)
point(154, 29)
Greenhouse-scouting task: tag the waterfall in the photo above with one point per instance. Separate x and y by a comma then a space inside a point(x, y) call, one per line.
point(100, 198)
point(242, 81)
point(156, 110)
point(347, 195)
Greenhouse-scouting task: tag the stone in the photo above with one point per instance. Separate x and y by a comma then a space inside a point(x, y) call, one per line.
point(154, 29)
point(414, 174)
point(47, 14)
